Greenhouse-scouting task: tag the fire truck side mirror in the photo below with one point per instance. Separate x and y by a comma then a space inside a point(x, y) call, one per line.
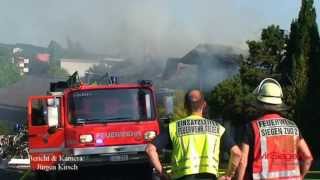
point(53, 113)
point(168, 105)
point(167, 100)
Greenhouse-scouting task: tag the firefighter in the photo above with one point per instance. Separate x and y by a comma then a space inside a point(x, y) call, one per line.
point(273, 147)
point(195, 143)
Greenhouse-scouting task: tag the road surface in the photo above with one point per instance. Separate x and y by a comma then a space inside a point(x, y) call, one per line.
point(119, 172)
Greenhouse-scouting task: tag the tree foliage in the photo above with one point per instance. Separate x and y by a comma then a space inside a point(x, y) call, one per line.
point(55, 50)
point(301, 71)
point(56, 53)
point(4, 128)
point(56, 71)
point(294, 60)
point(179, 111)
point(221, 97)
point(9, 73)
point(268, 52)
point(231, 98)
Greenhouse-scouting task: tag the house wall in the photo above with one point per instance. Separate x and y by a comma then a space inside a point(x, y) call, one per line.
point(81, 67)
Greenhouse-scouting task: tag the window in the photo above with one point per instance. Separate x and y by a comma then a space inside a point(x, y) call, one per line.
point(39, 114)
point(110, 105)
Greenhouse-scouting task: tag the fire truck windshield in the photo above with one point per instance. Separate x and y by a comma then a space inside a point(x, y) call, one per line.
point(110, 105)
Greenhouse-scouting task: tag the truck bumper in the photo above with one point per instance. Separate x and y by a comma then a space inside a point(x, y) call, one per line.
point(92, 156)
point(109, 149)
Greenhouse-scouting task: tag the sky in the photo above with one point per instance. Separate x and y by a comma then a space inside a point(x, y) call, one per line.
point(161, 28)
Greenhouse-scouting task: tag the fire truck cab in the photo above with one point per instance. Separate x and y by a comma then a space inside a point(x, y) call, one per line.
point(84, 125)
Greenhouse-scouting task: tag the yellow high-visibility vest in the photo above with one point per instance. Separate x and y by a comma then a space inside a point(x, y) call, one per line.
point(196, 146)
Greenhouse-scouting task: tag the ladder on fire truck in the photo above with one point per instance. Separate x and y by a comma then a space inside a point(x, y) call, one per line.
point(74, 81)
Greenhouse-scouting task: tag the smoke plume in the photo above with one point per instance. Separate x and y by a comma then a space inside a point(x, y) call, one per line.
point(162, 28)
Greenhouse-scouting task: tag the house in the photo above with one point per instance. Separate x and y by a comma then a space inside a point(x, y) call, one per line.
point(83, 65)
point(29, 59)
point(214, 63)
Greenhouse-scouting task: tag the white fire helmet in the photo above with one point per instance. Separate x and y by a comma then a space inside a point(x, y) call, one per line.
point(269, 91)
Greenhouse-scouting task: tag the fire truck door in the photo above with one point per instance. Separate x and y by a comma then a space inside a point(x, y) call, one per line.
point(46, 135)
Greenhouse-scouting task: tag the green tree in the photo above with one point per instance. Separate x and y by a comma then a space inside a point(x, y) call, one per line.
point(56, 53)
point(4, 128)
point(226, 99)
point(56, 71)
point(267, 53)
point(55, 50)
point(301, 68)
point(231, 98)
point(9, 73)
point(293, 59)
point(179, 111)
point(265, 56)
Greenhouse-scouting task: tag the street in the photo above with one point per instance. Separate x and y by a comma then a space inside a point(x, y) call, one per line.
point(118, 172)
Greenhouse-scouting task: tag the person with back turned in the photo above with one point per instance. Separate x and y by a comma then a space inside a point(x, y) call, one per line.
point(273, 147)
point(195, 143)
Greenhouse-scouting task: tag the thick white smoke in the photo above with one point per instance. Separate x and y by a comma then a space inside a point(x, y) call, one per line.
point(159, 28)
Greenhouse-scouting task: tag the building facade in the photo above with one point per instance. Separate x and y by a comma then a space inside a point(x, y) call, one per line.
point(83, 65)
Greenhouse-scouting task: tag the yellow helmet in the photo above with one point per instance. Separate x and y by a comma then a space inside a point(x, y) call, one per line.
point(269, 91)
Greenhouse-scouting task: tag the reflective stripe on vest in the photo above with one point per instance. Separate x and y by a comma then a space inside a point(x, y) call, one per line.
point(196, 145)
point(275, 148)
point(278, 174)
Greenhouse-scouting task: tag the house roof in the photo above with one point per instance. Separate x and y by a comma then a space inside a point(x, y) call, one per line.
point(211, 51)
point(75, 60)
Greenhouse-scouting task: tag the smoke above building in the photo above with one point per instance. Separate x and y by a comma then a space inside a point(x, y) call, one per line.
point(140, 28)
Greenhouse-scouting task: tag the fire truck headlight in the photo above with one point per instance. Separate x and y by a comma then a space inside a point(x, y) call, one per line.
point(149, 135)
point(86, 138)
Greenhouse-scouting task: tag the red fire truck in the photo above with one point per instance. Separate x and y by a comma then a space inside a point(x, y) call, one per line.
point(77, 124)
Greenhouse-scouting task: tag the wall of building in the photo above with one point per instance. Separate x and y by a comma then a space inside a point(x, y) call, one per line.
point(81, 66)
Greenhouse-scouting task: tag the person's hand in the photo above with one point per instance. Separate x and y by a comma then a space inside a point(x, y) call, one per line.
point(224, 178)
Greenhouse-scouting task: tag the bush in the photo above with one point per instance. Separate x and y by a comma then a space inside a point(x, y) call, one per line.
point(9, 73)
point(4, 129)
